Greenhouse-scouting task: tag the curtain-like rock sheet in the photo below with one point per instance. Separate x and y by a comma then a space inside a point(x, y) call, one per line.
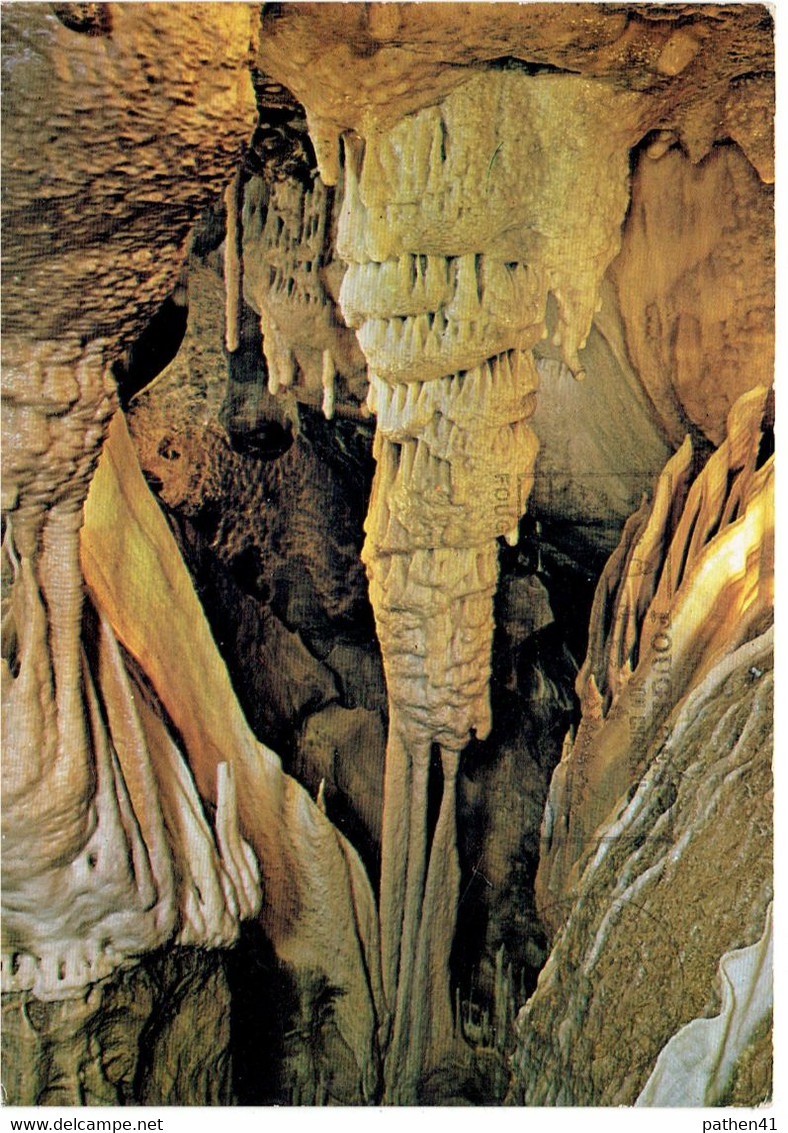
point(317, 904)
point(668, 776)
point(692, 578)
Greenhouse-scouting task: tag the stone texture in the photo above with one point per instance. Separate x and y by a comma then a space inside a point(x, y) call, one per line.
point(117, 121)
point(156, 1033)
point(693, 292)
point(692, 577)
point(339, 755)
point(669, 774)
point(306, 867)
point(286, 528)
point(649, 900)
point(292, 279)
point(350, 66)
point(589, 480)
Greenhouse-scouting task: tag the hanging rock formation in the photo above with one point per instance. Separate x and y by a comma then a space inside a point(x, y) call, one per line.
point(458, 222)
point(88, 876)
point(308, 871)
point(292, 280)
point(447, 283)
point(273, 547)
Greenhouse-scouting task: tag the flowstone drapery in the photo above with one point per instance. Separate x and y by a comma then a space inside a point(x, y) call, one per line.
point(120, 836)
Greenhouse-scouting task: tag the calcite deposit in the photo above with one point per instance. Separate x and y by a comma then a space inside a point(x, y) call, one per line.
point(387, 553)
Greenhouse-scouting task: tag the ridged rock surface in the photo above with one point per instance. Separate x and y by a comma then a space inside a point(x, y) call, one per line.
point(692, 578)
point(649, 899)
point(318, 910)
point(292, 278)
point(115, 120)
point(498, 161)
point(669, 774)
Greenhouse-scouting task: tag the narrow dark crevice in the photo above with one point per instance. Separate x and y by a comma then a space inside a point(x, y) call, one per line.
point(153, 350)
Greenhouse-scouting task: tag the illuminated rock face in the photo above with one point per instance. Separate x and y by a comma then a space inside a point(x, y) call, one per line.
point(693, 292)
point(458, 222)
point(669, 772)
point(114, 844)
point(88, 873)
point(292, 278)
point(692, 578)
point(493, 236)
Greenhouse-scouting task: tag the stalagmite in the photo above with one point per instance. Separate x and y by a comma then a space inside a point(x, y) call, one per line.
point(329, 373)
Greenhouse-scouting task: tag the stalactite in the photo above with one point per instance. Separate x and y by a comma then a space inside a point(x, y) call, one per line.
point(131, 781)
point(233, 264)
point(291, 277)
point(446, 287)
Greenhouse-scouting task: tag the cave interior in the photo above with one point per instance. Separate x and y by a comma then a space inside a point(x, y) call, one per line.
point(387, 553)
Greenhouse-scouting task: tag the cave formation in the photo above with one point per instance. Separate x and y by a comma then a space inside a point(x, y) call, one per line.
point(387, 554)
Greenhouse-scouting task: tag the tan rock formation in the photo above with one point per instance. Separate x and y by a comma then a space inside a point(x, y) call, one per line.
point(692, 578)
point(648, 903)
point(668, 774)
point(292, 279)
point(696, 295)
point(484, 154)
point(273, 512)
point(438, 231)
point(351, 65)
point(114, 1046)
point(116, 143)
point(308, 871)
point(108, 848)
point(452, 256)
point(592, 479)
point(74, 778)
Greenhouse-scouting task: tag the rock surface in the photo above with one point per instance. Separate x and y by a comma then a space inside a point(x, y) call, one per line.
point(669, 773)
point(439, 208)
point(649, 898)
point(157, 1033)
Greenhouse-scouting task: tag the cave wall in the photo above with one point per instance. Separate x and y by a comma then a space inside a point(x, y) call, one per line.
point(423, 238)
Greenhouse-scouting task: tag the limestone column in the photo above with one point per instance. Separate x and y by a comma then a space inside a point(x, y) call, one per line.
point(456, 224)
